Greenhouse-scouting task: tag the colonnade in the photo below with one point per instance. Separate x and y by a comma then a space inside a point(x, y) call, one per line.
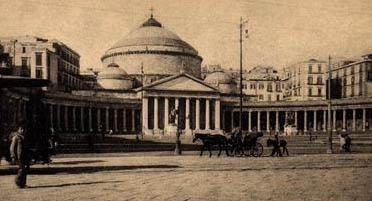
point(317, 123)
point(192, 114)
point(89, 119)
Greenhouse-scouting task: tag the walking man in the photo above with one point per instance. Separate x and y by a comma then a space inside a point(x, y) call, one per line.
point(18, 154)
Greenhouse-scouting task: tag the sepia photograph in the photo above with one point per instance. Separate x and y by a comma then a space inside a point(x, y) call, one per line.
point(185, 100)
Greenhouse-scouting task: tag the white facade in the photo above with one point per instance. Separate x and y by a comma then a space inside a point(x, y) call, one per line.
point(45, 59)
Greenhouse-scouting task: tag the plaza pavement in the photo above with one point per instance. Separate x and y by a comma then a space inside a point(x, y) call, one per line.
point(162, 176)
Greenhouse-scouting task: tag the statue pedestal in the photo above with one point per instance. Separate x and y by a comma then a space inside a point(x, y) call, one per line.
point(171, 130)
point(290, 130)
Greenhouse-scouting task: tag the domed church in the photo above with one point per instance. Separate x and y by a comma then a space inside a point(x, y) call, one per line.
point(156, 51)
point(148, 75)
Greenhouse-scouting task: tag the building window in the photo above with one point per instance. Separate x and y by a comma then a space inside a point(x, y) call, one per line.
point(269, 87)
point(319, 80)
point(319, 68)
point(38, 59)
point(253, 86)
point(269, 97)
point(360, 89)
point(277, 87)
point(261, 86)
point(310, 91)
point(310, 68)
point(39, 73)
point(23, 49)
point(352, 91)
point(319, 91)
point(352, 79)
point(277, 97)
point(345, 81)
point(310, 80)
point(369, 75)
point(352, 69)
point(24, 62)
point(260, 97)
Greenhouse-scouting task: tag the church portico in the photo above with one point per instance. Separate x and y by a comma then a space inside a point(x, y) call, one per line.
point(197, 106)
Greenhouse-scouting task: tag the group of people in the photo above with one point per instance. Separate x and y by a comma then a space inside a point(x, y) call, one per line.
point(22, 153)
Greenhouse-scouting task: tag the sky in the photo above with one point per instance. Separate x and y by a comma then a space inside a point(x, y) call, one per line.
point(280, 32)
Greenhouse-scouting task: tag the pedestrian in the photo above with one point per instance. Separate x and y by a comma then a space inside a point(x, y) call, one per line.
point(19, 155)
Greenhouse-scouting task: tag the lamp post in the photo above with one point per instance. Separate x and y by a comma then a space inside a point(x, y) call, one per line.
point(242, 23)
point(329, 149)
point(14, 53)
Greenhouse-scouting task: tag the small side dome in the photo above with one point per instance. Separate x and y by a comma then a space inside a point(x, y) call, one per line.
point(223, 81)
point(113, 77)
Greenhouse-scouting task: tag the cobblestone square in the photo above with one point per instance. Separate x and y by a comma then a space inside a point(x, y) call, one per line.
point(190, 177)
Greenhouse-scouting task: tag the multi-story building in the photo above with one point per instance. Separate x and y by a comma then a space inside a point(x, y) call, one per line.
point(355, 77)
point(45, 59)
point(305, 80)
point(263, 82)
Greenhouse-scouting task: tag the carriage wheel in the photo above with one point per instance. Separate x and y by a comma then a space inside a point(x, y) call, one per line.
point(257, 150)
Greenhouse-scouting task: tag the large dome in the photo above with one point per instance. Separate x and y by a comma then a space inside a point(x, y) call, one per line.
point(113, 77)
point(223, 81)
point(158, 50)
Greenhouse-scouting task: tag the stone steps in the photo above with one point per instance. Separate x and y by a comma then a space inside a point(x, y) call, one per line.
point(127, 143)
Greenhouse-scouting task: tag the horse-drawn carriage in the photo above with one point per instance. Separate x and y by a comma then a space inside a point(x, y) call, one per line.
point(232, 144)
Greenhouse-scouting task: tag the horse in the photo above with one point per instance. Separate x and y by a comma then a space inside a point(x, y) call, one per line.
point(209, 140)
point(277, 145)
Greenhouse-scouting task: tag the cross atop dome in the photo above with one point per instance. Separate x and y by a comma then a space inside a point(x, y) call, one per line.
point(151, 12)
point(151, 21)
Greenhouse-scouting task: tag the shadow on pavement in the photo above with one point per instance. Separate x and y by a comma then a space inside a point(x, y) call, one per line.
point(74, 184)
point(85, 169)
point(77, 162)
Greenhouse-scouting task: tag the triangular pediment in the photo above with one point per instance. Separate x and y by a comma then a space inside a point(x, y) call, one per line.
point(182, 82)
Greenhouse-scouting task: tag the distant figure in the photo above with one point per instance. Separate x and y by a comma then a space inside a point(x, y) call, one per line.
point(110, 132)
point(18, 154)
point(345, 142)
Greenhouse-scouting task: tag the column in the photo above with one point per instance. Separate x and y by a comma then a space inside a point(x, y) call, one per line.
point(250, 121)
point(315, 120)
point(107, 119)
point(99, 120)
point(258, 121)
point(364, 119)
point(176, 105)
point(145, 114)
point(197, 120)
point(74, 118)
point(66, 117)
point(116, 120)
point(166, 113)
point(156, 113)
point(51, 115)
point(207, 113)
point(59, 117)
point(133, 120)
point(82, 119)
point(325, 120)
point(268, 121)
point(334, 120)
point(354, 119)
point(124, 120)
point(344, 120)
point(305, 121)
point(90, 119)
point(187, 123)
point(217, 115)
point(296, 117)
point(277, 121)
